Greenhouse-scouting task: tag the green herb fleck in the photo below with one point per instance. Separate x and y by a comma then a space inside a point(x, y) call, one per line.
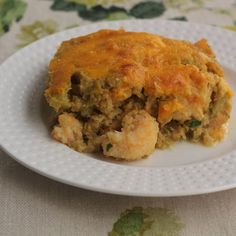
point(108, 147)
point(194, 123)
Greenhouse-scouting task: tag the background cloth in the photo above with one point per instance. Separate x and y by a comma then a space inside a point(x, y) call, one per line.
point(34, 205)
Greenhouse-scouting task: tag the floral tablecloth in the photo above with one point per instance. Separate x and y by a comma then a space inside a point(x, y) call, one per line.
point(33, 205)
point(24, 21)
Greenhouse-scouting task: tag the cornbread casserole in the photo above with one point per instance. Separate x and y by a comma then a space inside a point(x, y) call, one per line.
point(126, 93)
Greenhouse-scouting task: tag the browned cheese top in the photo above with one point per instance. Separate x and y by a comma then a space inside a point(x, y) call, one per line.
point(162, 67)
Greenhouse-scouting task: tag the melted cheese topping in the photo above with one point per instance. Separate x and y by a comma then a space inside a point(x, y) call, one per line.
point(175, 70)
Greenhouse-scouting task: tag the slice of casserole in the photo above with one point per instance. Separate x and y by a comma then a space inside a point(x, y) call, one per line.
point(125, 93)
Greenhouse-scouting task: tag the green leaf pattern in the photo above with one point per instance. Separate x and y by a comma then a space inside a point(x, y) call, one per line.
point(35, 31)
point(10, 11)
point(148, 9)
point(147, 222)
point(137, 221)
point(92, 3)
point(97, 10)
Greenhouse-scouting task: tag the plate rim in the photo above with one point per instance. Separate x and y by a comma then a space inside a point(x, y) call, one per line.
point(100, 189)
point(118, 192)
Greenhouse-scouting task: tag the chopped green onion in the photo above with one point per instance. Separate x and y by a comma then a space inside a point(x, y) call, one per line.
point(109, 146)
point(194, 123)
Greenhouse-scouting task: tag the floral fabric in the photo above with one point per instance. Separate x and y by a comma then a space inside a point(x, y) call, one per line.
point(24, 21)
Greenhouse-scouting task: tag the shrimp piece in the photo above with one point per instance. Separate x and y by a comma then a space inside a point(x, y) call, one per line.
point(69, 132)
point(136, 140)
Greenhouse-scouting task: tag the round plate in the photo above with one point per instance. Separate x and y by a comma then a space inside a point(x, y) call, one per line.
point(185, 169)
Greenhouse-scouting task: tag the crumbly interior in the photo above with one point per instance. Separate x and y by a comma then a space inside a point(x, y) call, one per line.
point(168, 91)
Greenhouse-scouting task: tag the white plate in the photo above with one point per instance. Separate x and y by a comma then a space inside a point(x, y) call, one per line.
point(185, 169)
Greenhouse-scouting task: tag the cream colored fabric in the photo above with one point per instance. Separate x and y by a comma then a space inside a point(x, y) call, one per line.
point(34, 205)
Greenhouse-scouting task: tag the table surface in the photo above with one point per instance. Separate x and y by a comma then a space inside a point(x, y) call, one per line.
point(34, 205)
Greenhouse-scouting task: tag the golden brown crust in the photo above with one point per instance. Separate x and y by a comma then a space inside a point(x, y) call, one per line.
point(164, 67)
point(175, 81)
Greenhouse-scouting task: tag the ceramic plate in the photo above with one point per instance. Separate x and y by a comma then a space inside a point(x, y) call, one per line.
point(185, 169)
